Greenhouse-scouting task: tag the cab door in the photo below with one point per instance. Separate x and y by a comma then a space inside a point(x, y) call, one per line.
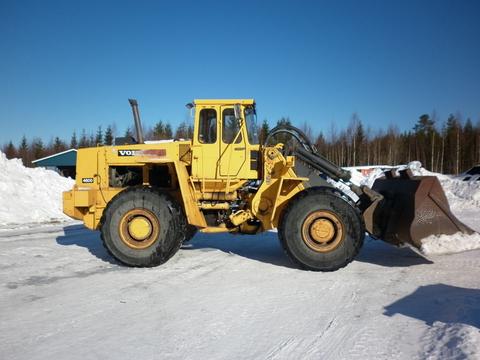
point(233, 149)
point(206, 148)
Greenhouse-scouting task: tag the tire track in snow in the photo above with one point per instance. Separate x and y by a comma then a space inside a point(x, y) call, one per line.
point(326, 339)
point(370, 344)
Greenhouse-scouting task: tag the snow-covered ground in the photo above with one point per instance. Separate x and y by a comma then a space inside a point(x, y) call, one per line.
point(232, 297)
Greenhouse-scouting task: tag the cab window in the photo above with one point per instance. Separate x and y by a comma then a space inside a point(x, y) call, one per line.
point(207, 133)
point(252, 128)
point(230, 127)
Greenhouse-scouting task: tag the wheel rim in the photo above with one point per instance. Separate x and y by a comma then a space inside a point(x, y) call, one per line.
point(139, 228)
point(322, 231)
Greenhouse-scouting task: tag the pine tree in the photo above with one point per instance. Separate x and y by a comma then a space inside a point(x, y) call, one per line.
point(91, 140)
point(58, 145)
point(108, 137)
point(283, 138)
point(391, 143)
point(452, 144)
point(359, 138)
point(355, 137)
point(73, 141)
point(182, 131)
point(425, 136)
point(468, 145)
point(23, 151)
point(10, 150)
point(284, 121)
point(38, 148)
point(168, 131)
point(99, 136)
point(128, 132)
point(190, 132)
point(83, 143)
point(321, 144)
point(159, 130)
point(264, 130)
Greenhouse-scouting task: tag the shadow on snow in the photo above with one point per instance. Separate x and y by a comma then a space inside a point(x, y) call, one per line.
point(380, 253)
point(440, 302)
point(263, 247)
point(79, 235)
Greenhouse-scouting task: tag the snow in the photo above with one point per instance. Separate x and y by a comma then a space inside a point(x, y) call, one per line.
point(224, 296)
point(460, 194)
point(378, 172)
point(356, 176)
point(234, 297)
point(448, 244)
point(30, 195)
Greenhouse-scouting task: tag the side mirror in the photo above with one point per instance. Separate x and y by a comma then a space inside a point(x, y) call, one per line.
point(237, 109)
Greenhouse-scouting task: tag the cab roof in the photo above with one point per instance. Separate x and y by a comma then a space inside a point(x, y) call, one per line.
point(224, 101)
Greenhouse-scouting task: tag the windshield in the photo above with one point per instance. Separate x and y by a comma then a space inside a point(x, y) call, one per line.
point(252, 129)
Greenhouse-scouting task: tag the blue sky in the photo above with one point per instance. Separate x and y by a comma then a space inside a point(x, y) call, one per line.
point(68, 65)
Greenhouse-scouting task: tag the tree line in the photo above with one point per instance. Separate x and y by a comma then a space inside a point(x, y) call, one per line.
point(36, 148)
point(449, 146)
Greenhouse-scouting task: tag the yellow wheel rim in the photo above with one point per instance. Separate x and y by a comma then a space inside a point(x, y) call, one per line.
point(139, 228)
point(322, 231)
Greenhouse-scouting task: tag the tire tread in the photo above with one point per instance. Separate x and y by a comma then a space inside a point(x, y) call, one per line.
point(178, 224)
point(327, 192)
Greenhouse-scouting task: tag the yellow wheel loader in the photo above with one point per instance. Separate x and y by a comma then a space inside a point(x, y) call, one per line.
point(148, 197)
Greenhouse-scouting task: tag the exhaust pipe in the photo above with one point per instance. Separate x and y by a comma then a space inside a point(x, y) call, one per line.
point(136, 118)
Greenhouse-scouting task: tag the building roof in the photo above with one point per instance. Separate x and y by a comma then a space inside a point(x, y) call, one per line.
point(64, 158)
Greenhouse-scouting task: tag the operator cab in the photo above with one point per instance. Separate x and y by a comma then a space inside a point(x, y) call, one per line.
point(225, 142)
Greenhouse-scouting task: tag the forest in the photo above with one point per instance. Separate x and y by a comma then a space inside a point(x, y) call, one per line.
point(450, 146)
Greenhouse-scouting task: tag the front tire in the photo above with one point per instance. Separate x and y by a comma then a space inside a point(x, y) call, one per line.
point(320, 230)
point(143, 227)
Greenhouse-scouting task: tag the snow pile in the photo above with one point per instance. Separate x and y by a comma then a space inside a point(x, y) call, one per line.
point(460, 194)
point(449, 244)
point(30, 195)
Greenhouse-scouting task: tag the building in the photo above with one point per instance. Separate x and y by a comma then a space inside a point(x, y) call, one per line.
point(63, 162)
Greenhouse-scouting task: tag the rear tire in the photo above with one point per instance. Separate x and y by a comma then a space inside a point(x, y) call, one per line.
point(143, 227)
point(320, 230)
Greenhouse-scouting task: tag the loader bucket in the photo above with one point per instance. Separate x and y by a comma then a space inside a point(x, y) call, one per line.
point(413, 208)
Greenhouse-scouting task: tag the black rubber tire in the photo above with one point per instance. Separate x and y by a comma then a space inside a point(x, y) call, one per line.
point(171, 233)
point(190, 233)
point(292, 220)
